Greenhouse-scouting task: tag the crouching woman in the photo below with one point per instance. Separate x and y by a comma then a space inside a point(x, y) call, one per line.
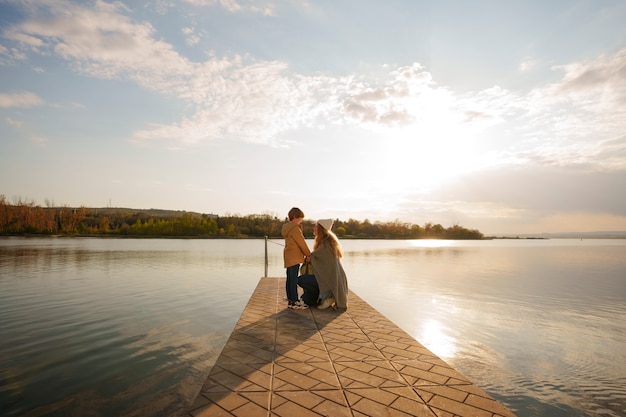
point(328, 285)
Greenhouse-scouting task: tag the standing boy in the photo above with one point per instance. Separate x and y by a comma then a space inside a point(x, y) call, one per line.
point(295, 252)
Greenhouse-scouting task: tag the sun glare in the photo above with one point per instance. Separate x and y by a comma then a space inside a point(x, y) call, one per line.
point(434, 338)
point(430, 243)
point(427, 158)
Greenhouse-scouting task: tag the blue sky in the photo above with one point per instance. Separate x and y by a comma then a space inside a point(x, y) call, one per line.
point(507, 117)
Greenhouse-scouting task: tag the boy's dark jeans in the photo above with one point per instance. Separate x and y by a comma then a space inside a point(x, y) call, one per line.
point(291, 285)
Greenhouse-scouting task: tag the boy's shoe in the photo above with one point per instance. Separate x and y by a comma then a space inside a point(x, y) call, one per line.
point(326, 302)
point(297, 305)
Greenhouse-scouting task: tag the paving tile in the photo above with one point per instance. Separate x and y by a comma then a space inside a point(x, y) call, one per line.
point(310, 363)
point(233, 404)
point(415, 374)
point(368, 374)
point(394, 349)
point(457, 408)
point(296, 352)
point(315, 403)
point(356, 351)
point(309, 376)
point(377, 403)
point(235, 352)
point(344, 333)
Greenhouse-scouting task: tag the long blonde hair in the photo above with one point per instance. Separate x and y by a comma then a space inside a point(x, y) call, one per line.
point(327, 237)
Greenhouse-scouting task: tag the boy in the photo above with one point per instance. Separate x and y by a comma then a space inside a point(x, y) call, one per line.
point(295, 252)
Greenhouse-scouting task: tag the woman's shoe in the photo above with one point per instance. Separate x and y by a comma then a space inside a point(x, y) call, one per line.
point(326, 302)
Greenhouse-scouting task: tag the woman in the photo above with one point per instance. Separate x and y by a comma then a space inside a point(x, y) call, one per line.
point(328, 286)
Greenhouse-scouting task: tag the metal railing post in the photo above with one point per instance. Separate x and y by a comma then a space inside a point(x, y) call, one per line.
point(266, 260)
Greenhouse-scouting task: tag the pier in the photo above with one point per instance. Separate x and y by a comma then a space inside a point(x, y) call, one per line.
point(311, 363)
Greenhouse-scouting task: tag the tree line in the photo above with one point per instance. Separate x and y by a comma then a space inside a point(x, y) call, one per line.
point(27, 218)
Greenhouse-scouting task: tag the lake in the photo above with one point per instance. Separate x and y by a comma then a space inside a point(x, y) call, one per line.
point(131, 327)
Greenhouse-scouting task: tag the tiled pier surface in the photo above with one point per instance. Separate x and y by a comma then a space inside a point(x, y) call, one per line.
point(309, 363)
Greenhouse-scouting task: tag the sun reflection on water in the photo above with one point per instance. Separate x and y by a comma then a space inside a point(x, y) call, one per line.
point(436, 338)
point(430, 243)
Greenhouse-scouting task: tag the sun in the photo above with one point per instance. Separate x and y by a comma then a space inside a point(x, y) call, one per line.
point(427, 157)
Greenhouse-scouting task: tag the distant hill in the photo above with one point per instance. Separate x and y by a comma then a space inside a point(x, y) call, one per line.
point(148, 212)
point(615, 234)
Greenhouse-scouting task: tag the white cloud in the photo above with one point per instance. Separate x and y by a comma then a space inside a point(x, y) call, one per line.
point(162, 6)
point(15, 123)
point(398, 102)
point(23, 99)
point(255, 6)
point(252, 102)
point(39, 140)
point(242, 98)
point(9, 56)
point(531, 198)
point(231, 97)
point(573, 121)
point(4, 54)
point(190, 36)
point(598, 88)
point(527, 64)
point(31, 41)
point(565, 122)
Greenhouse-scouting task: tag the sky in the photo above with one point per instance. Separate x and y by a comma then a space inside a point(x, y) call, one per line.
point(506, 117)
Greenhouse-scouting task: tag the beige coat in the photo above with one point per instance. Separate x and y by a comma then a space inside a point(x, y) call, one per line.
point(295, 245)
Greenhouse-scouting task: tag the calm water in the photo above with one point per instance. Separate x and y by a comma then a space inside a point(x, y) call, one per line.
point(115, 327)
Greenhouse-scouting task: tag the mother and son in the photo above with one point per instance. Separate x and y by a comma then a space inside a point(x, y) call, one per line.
point(326, 285)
